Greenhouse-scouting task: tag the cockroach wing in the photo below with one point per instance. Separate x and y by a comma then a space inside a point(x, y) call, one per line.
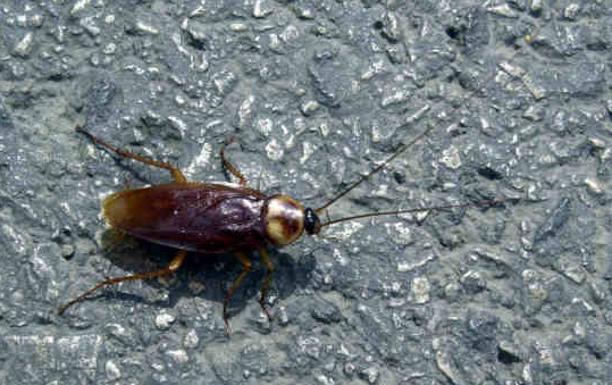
point(202, 217)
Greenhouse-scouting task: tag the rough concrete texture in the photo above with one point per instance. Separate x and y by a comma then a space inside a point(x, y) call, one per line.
point(316, 92)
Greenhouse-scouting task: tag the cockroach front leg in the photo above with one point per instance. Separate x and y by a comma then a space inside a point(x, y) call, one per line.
point(177, 175)
point(246, 268)
point(265, 258)
point(174, 265)
point(229, 166)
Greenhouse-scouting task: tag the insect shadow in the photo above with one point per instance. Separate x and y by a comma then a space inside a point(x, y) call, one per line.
point(210, 275)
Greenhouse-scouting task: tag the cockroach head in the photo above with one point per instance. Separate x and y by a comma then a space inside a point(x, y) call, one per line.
point(312, 224)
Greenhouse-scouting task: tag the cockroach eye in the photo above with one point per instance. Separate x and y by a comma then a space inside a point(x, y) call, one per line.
point(312, 224)
point(284, 219)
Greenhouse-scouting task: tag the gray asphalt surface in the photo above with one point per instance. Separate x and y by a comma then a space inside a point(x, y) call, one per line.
point(316, 93)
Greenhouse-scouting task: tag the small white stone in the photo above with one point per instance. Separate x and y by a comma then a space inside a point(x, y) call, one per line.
point(260, 10)
point(37, 20)
point(238, 27)
point(575, 273)
point(309, 107)
point(275, 150)
point(264, 126)
point(419, 290)
point(503, 10)
point(403, 266)
point(597, 142)
point(24, 46)
point(290, 33)
point(113, 373)
point(593, 186)
point(109, 49)
point(164, 320)
point(536, 5)
point(146, 28)
point(79, 6)
point(400, 233)
point(571, 11)
point(451, 158)
point(371, 374)
point(579, 330)
point(191, 339)
point(179, 356)
point(245, 111)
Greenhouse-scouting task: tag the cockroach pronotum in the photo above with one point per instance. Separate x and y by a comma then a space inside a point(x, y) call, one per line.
point(220, 218)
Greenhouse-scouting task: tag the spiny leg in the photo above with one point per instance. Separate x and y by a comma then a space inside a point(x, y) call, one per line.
point(229, 166)
point(265, 258)
point(177, 175)
point(174, 265)
point(246, 268)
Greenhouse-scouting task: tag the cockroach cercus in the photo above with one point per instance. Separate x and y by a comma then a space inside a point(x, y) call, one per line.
point(220, 218)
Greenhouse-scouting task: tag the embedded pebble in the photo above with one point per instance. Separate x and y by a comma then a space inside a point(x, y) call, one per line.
point(67, 251)
point(113, 373)
point(536, 6)
point(473, 282)
point(79, 6)
point(594, 186)
point(89, 23)
point(575, 273)
point(419, 290)
point(535, 113)
point(179, 356)
point(503, 10)
point(24, 46)
point(245, 112)
point(444, 364)
point(400, 233)
point(146, 28)
point(164, 320)
point(403, 267)
point(309, 107)
point(191, 339)
point(451, 158)
point(275, 150)
point(261, 9)
point(239, 27)
point(370, 375)
point(598, 293)
point(571, 11)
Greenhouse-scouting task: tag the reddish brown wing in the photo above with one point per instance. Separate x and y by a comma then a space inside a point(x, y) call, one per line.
point(209, 218)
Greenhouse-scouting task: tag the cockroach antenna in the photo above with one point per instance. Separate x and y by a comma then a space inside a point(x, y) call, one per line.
point(489, 202)
point(376, 169)
point(398, 152)
point(482, 203)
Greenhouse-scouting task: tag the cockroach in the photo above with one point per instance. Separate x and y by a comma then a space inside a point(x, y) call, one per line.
point(220, 218)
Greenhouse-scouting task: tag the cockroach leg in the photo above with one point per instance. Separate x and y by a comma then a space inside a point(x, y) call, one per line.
point(229, 166)
point(265, 258)
point(177, 175)
point(246, 268)
point(174, 265)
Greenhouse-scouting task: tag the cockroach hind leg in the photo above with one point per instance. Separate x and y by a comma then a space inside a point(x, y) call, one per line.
point(174, 265)
point(265, 286)
point(246, 268)
point(175, 172)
